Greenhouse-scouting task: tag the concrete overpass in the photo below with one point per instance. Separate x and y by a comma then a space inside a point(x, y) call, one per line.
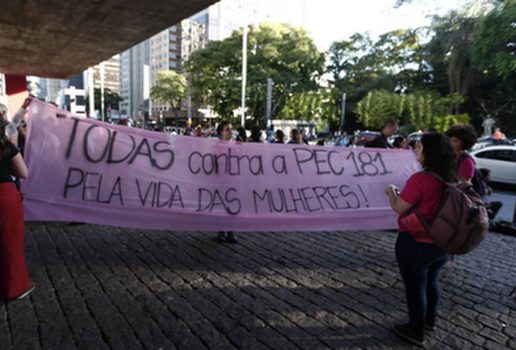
point(59, 39)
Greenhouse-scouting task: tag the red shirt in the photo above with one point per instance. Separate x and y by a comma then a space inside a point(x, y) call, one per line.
point(467, 168)
point(424, 192)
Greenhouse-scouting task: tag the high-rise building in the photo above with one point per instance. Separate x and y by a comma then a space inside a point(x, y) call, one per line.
point(53, 88)
point(168, 49)
point(165, 55)
point(111, 75)
point(224, 17)
point(132, 64)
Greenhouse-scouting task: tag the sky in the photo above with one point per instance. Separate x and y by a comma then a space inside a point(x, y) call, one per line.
point(335, 20)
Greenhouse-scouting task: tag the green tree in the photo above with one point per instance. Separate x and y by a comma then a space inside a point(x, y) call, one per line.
point(111, 99)
point(449, 53)
point(379, 106)
point(495, 40)
point(278, 51)
point(310, 106)
point(421, 109)
point(359, 65)
point(170, 88)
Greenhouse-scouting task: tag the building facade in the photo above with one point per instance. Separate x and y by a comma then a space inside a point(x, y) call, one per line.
point(111, 75)
point(132, 63)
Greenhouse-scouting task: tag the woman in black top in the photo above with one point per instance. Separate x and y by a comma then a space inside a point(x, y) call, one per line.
point(14, 279)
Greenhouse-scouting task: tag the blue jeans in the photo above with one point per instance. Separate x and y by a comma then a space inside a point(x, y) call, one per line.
point(420, 264)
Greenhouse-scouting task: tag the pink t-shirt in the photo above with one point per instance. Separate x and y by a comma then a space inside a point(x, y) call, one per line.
point(467, 168)
point(424, 192)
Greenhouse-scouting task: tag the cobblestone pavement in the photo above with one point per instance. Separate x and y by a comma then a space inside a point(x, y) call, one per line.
point(110, 288)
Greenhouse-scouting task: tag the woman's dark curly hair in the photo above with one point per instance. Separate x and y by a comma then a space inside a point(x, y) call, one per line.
point(439, 156)
point(465, 133)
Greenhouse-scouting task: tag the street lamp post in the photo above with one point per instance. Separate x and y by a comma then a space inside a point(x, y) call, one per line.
point(343, 112)
point(244, 72)
point(102, 107)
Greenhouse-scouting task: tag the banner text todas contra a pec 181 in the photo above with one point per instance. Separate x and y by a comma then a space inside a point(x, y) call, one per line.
point(88, 171)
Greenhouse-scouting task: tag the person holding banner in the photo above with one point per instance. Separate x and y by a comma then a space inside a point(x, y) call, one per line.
point(226, 131)
point(419, 259)
point(11, 128)
point(14, 279)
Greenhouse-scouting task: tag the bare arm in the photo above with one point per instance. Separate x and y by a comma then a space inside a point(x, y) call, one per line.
point(397, 204)
point(19, 168)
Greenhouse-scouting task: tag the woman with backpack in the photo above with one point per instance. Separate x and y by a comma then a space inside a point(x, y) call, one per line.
point(419, 259)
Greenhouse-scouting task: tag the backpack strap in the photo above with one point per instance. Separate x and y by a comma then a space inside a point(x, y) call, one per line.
point(462, 157)
point(418, 213)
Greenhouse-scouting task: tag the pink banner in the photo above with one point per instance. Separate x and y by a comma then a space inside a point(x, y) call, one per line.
point(88, 171)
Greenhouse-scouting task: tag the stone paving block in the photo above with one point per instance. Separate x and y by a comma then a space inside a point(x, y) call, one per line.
point(105, 287)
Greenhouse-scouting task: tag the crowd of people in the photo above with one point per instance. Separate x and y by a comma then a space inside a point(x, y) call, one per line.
point(420, 260)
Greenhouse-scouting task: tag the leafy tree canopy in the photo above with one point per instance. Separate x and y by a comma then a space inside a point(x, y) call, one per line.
point(495, 40)
point(278, 51)
point(111, 99)
point(170, 88)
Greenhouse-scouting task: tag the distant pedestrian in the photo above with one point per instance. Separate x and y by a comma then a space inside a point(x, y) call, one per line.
point(242, 134)
point(400, 142)
point(304, 138)
point(226, 132)
point(492, 207)
point(381, 141)
point(498, 134)
point(320, 142)
point(295, 137)
point(256, 134)
point(342, 140)
point(280, 136)
point(270, 137)
point(353, 142)
point(419, 259)
point(199, 132)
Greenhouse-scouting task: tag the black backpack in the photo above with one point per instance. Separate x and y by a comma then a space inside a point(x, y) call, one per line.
point(477, 181)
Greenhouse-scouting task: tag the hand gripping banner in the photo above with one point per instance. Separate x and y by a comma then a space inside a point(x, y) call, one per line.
point(88, 171)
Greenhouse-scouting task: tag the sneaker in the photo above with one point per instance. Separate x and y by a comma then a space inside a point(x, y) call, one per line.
point(450, 262)
point(32, 286)
point(404, 331)
point(430, 326)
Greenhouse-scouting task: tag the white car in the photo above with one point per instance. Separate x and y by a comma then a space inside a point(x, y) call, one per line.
point(501, 160)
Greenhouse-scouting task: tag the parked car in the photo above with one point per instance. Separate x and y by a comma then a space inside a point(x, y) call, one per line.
point(490, 141)
point(365, 136)
point(501, 160)
point(415, 136)
point(391, 139)
point(325, 135)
